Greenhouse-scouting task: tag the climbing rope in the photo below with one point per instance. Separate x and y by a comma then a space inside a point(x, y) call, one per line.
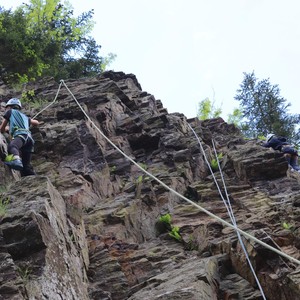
point(245, 234)
point(227, 204)
point(61, 82)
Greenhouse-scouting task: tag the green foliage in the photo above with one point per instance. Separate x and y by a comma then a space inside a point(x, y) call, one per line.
point(143, 166)
point(27, 96)
point(107, 60)
point(166, 219)
point(261, 137)
point(139, 179)
point(142, 177)
point(164, 223)
point(287, 226)
point(264, 110)
point(112, 169)
point(18, 60)
point(43, 38)
point(175, 233)
point(3, 205)
point(207, 110)
point(214, 162)
point(29, 99)
point(24, 273)
point(236, 117)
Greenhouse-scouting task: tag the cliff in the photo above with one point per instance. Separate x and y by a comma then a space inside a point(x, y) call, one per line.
point(89, 225)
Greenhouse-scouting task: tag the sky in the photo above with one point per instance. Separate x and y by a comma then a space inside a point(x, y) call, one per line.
point(183, 51)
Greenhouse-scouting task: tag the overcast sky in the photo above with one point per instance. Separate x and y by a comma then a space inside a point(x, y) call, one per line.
point(183, 51)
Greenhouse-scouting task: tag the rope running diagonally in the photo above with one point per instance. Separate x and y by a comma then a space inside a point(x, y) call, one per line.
point(61, 82)
point(227, 204)
point(245, 234)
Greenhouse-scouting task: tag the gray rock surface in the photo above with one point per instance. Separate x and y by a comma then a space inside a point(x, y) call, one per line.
point(87, 226)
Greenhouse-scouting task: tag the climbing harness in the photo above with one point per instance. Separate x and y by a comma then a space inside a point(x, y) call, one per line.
point(245, 234)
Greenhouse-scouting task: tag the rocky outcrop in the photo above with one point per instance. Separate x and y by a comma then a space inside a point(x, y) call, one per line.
point(88, 225)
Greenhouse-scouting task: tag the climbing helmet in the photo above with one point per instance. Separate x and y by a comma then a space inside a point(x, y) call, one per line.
point(14, 101)
point(269, 136)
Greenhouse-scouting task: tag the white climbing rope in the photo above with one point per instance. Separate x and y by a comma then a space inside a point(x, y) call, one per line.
point(245, 234)
point(227, 205)
point(61, 82)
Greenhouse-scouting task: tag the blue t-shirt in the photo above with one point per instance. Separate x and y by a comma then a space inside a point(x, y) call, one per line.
point(18, 122)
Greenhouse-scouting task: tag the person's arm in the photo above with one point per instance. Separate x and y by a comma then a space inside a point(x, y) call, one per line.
point(34, 122)
point(266, 144)
point(274, 143)
point(3, 126)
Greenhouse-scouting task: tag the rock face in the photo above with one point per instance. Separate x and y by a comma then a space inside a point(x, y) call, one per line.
point(89, 225)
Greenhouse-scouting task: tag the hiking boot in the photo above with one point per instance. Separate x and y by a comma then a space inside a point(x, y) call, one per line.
point(15, 164)
point(27, 172)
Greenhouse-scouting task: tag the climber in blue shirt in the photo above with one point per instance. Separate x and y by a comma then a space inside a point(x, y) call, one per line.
point(21, 144)
point(281, 144)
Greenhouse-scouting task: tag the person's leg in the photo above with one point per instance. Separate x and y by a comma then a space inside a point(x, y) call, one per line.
point(27, 167)
point(26, 158)
point(14, 146)
point(294, 162)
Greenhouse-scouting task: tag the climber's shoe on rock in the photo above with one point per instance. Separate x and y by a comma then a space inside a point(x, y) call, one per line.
point(14, 163)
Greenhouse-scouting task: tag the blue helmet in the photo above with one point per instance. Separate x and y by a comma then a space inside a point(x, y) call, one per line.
point(14, 101)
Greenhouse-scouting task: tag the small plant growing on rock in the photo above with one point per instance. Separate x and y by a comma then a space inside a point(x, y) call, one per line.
point(112, 169)
point(164, 225)
point(191, 244)
point(214, 162)
point(166, 219)
point(29, 98)
point(143, 165)
point(287, 226)
point(24, 273)
point(3, 206)
point(174, 233)
point(142, 177)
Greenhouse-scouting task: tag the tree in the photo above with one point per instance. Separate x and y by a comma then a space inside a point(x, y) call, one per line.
point(18, 60)
point(107, 60)
point(207, 110)
point(236, 117)
point(264, 110)
point(44, 39)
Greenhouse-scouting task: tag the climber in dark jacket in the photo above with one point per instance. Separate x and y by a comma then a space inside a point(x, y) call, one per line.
point(281, 144)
